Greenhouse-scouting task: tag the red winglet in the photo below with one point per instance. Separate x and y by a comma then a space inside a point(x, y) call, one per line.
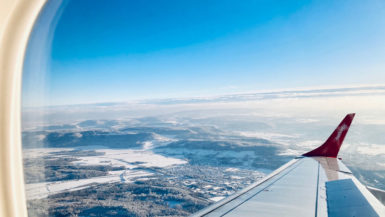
point(332, 146)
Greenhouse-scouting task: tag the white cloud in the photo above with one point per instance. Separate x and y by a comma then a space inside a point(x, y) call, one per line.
point(372, 149)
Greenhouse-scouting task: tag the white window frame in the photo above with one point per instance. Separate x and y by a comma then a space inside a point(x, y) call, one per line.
point(16, 22)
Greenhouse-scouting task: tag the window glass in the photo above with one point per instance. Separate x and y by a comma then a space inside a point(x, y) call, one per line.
point(161, 108)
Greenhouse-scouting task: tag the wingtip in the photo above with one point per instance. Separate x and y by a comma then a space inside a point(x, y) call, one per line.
point(351, 115)
point(332, 145)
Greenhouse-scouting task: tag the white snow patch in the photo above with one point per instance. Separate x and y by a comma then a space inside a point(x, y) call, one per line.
point(161, 138)
point(44, 189)
point(39, 152)
point(41, 137)
point(216, 199)
point(232, 169)
point(236, 177)
point(78, 135)
point(116, 172)
point(90, 147)
point(158, 141)
point(147, 145)
point(129, 158)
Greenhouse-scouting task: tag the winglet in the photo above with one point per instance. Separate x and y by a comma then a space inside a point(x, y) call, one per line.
point(333, 144)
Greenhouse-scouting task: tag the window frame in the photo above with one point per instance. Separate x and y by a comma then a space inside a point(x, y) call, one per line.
point(17, 18)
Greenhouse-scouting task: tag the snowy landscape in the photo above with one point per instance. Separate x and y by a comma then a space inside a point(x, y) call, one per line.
point(175, 157)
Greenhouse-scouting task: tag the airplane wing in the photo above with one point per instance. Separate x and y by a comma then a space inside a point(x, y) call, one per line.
point(314, 184)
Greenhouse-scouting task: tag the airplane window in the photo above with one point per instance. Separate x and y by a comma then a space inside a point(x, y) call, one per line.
point(162, 108)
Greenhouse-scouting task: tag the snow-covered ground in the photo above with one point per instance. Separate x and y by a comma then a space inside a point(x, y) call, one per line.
point(40, 152)
point(216, 199)
point(129, 158)
point(44, 189)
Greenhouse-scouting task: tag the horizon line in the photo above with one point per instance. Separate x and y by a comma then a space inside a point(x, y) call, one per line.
point(324, 88)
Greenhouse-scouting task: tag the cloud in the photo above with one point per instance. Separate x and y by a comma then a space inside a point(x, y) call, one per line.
point(372, 149)
point(305, 106)
point(279, 94)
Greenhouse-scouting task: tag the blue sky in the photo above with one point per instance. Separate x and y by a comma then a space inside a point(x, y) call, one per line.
point(104, 51)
